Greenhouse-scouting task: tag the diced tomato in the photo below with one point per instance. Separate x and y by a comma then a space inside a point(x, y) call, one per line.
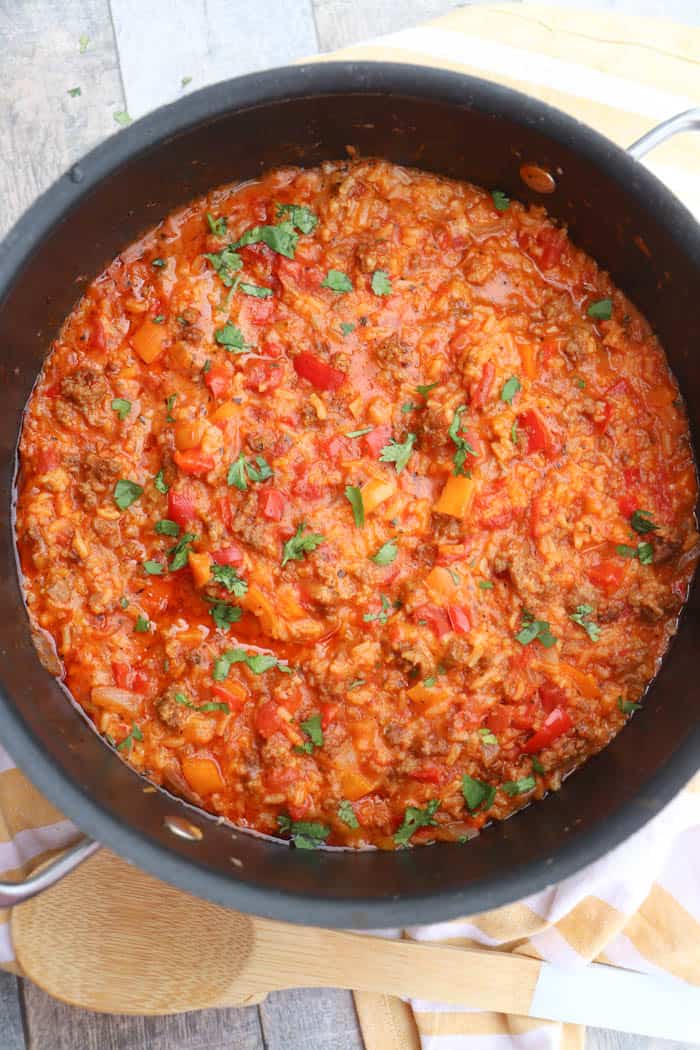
point(263, 376)
point(267, 720)
point(375, 441)
point(218, 379)
point(225, 510)
point(499, 719)
point(126, 678)
point(328, 713)
point(608, 574)
point(233, 695)
point(524, 716)
point(459, 619)
point(434, 617)
point(48, 459)
point(481, 390)
point(339, 447)
point(429, 774)
point(307, 277)
point(551, 244)
point(556, 724)
point(181, 507)
point(279, 778)
point(537, 435)
point(259, 311)
point(193, 462)
point(551, 696)
point(317, 372)
point(627, 505)
point(97, 340)
point(273, 346)
point(231, 555)
point(258, 252)
point(271, 504)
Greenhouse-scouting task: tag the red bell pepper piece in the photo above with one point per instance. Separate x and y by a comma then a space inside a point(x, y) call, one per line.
point(271, 504)
point(482, 389)
point(218, 379)
point(267, 720)
point(234, 698)
point(556, 724)
point(607, 574)
point(376, 440)
point(231, 555)
point(181, 507)
point(551, 696)
point(328, 713)
point(435, 618)
point(532, 425)
point(459, 619)
point(499, 719)
point(318, 373)
point(551, 243)
point(193, 462)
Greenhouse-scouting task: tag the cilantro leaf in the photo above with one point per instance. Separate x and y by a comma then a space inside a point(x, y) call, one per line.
point(500, 199)
point(231, 337)
point(159, 482)
point(415, 818)
point(382, 616)
point(535, 629)
point(83, 41)
point(166, 527)
point(121, 406)
point(600, 310)
point(354, 496)
point(477, 794)
point(169, 405)
point(180, 551)
point(537, 765)
point(644, 552)
point(142, 625)
point(381, 285)
point(227, 576)
point(642, 521)
point(261, 471)
point(223, 614)
point(386, 553)
point(510, 389)
point(158, 263)
point(486, 585)
point(358, 433)
point(255, 290)
point(226, 264)
point(237, 474)
point(312, 728)
point(126, 492)
point(346, 328)
point(75, 92)
point(627, 706)
point(122, 117)
point(258, 663)
point(211, 705)
point(487, 737)
point(580, 616)
point(217, 226)
point(346, 813)
point(300, 544)
point(154, 568)
point(127, 742)
point(463, 447)
point(519, 787)
point(397, 452)
point(337, 281)
point(299, 215)
point(305, 834)
point(281, 238)
point(425, 388)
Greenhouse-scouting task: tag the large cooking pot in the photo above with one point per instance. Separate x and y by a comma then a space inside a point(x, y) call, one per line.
point(447, 123)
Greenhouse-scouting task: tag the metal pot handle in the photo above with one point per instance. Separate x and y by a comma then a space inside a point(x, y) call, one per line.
point(688, 121)
point(12, 893)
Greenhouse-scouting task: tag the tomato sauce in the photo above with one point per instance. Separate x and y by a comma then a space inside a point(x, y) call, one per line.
point(357, 504)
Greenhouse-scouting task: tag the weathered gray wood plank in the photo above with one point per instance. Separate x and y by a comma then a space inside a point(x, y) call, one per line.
point(310, 1019)
point(207, 40)
point(602, 1039)
point(53, 1026)
point(43, 129)
point(343, 22)
point(11, 1034)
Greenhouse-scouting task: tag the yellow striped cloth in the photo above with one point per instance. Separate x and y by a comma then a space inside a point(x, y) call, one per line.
point(639, 907)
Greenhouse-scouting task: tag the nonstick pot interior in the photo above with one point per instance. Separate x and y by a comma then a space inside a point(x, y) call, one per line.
point(445, 123)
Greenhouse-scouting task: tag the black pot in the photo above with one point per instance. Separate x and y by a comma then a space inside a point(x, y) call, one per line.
point(443, 122)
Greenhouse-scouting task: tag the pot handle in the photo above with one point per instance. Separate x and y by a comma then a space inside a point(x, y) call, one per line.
point(12, 893)
point(688, 121)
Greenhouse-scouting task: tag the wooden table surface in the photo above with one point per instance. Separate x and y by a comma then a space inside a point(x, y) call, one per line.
point(129, 56)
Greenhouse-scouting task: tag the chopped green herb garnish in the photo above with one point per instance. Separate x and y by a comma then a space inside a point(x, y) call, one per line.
point(75, 92)
point(383, 615)
point(281, 238)
point(305, 834)
point(600, 310)
point(642, 521)
point(463, 447)
point(415, 818)
point(519, 787)
point(122, 117)
point(258, 663)
point(644, 552)
point(580, 383)
point(381, 285)
point(409, 406)
point(158, 319)
point(346, 327)
point(158, 263)
point(486, 585)
point(514, 436)
point(354, 496)
point(300, 544)
point(397, 452)
point(358, 433)
point(581, 617)
point(255, 290)
point(312, 728)
point(537, 765)
point(206, 367)
point(166, 527)
point(356, 683)
point(127, 742)
point(425, 388)
point(121, 406)
point(159, 482)
point(386, 553)
point(169, 405)
point(627, 706)
point(180, 551)
point(142, 625)
point(83, 41)
point(487, 737)
point(154, 568)
point(430, 683)
point(244, 469)
point(477, 794)
point(217, 226)
point(337, 281)
point(185, 81)
point(535, 629)
point(126, 492)
point(299, 215)
point(346, 813)
point(231, 337)
point(223, 614)
point(124, 602)
point(454, 576)
point(510, 389)
point(226, 264)
point(211, 705)
point(228, 577)
point(500, 199)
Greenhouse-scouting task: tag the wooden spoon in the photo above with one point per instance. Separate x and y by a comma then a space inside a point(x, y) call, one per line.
point(110, 938)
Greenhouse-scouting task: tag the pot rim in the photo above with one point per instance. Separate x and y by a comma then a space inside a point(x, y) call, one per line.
point(148, 133)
